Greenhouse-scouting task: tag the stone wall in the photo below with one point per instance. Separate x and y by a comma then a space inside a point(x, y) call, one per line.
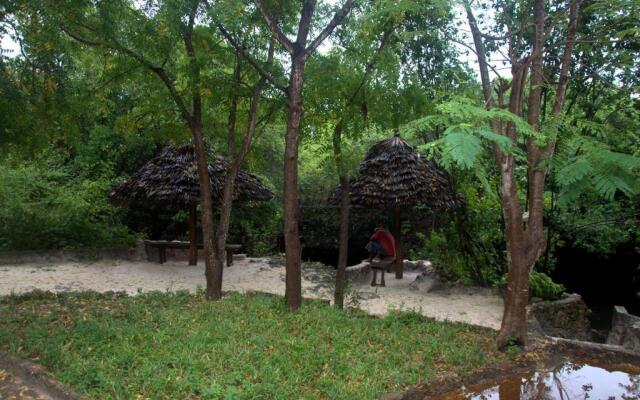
point(625, 330)
point(565, 318)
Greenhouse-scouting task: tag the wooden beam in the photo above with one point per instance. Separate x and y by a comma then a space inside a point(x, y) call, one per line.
point(398, 237)
point(193, 237)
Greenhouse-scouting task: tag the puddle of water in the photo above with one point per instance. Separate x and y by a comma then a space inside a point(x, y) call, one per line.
point(565, 381)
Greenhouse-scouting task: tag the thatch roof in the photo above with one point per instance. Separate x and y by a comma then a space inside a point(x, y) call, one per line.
point(171, 178)
point(394, 174)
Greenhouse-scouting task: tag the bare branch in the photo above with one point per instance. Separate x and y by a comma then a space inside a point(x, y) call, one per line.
point(481, 55)
point(509, 35)
point(566, 57)
point(468, 47)
point(335, 21)
point(273, 26)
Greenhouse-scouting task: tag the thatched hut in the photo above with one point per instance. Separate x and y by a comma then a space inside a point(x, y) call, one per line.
point(394, 176)
point(171, 179)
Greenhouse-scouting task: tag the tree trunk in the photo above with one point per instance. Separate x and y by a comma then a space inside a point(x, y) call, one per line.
point(397, 233)
point(193, 237)
point(514, 320)
point(236, 160)
point(293, 290)
point(213, 291)
point(344, 243)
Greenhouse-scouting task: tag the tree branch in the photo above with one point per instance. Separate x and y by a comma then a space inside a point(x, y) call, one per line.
point(308, 7)
point(158, 70)
point(481, 55)
point(259, 68)
point(371, 64)
point(187, 35)
point(566, 58)
point(335, 21)
point(273, 26)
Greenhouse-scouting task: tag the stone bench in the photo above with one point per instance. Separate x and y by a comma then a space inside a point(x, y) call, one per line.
point(161, 247)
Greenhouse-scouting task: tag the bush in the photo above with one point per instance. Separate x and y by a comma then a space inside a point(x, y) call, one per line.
point(543, 287)
point(48, 208)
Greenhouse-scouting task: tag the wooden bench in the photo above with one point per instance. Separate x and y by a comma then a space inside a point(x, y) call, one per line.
point(382, 265)
point(163, 245)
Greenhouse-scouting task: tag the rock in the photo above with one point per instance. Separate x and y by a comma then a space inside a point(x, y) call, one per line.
point(427, 282)
point(536, 300)
point(409, 265)
point(368, 296)
point(422, 265)
point(566, 318)
point(276, 260)
point(239, 257)
point(625, 329)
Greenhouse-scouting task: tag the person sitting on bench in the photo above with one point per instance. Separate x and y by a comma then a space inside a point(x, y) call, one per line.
point(382, 245)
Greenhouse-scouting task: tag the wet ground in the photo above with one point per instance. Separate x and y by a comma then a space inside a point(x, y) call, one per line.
point(567, 380)
point(563, 372)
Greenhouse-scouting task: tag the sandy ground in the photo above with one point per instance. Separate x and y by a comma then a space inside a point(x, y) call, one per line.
point(471, 305)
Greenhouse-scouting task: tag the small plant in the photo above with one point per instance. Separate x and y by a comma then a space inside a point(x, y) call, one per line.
point(512, 347)
point(543, 287)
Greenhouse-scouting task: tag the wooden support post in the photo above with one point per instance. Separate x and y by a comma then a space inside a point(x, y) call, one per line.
point(397, 236)
point(229, 257)
point(193, 237)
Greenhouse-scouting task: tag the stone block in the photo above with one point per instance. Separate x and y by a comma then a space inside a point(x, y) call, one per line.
point(566, 318)
point(625, 330)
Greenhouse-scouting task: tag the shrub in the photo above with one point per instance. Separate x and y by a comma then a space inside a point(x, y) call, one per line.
point(543, 287)
point(48, 208)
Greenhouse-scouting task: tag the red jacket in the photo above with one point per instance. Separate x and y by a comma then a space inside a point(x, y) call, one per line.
point(386, 241)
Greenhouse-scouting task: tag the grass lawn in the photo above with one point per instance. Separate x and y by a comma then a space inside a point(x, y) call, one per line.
point(178, 345)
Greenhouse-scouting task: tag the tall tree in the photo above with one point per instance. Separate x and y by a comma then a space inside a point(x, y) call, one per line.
point(524, 233)
point(176, 56)
point(299, 52)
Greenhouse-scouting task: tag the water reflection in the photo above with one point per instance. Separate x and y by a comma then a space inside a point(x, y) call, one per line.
point(566, 381)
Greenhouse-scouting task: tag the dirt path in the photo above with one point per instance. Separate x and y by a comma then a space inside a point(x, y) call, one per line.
point(23, 380)
point(475, 306)
point(12, 387)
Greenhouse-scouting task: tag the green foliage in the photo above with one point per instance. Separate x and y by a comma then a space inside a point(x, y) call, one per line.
point(49, 208)
point(543, 287)
point(257, 227)
point(594, 224)
point(585, 164)
point(448, 259)
point(466, 128)
point(177, 345)
point(467, 244)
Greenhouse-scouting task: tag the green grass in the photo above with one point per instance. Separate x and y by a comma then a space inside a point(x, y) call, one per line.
point(178, 345)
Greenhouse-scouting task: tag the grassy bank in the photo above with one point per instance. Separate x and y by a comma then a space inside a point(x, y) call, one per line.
point(163, 345)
